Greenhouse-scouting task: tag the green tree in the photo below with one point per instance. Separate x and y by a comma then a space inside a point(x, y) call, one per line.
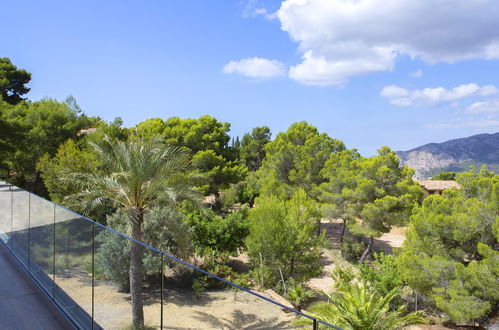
point(69, 158)
point(285, 234)
point(12, 81)
point(211, 234)
point(375, 190)
point(298, 155)
point(135, 176)
point(337, 193)
point(163, 229)
point(449, 255)
point(207, 139)
point(357, 307)
point(445, 176)
point(10, 135)
point(43, 126)
point(113, 129)
point(252, 149)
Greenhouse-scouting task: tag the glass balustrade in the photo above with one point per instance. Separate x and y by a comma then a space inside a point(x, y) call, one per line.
point(84, 268)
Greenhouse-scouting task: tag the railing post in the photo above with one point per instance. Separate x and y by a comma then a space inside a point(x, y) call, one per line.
point(162, 289)
point(11, 216)
point(93, 273)
point(29, 230)
point(53, 261)
point(316, 325)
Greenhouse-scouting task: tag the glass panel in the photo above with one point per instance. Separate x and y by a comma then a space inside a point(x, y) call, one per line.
point(5, 212)
point(113, 309)
point(73, 266)
point(20, 225)
point(196, 301)
point(42, 241)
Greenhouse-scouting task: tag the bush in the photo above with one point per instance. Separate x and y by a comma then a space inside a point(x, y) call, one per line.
point(283, 234)
point(212, 234)
point(162, 229)
point(351, 249)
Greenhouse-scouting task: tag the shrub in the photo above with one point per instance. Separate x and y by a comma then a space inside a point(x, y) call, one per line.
point(352, 250)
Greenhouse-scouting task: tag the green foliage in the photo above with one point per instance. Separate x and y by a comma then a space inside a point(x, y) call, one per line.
point(204, 133)
point(483, 185)
point(337, 193)
point(214, 172)
point(352, 249)
point(162, 229)
point(237, 193)
point(252, 149)
point(41, 126)
point(218, 265)
point(284, 232)
point(69, 158)
point(298, 295)
point(383, 275)
point(448, 254)
point(135, 176)
point(297, 156)
point(375, 190)
point(12, 81)
point(357, 307)
point(212, 234)
point(445, 176)
point(113, 130)
point(206, 139)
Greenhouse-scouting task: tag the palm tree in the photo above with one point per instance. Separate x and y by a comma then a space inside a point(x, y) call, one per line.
point(358, 308)
point(135, 176)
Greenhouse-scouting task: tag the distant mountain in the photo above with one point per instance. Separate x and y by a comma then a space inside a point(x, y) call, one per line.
point(453, 155)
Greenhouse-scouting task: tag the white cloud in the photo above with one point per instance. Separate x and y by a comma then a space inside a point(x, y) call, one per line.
point(416, 74)
point(434, 96)
point(488, 106)
point(251, 9)
point(255, 67)
point(344, 38)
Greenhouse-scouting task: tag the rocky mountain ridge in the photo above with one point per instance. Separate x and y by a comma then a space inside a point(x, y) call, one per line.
point(453, 155)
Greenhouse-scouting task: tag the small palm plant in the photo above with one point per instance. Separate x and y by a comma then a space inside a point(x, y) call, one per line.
point(357, 307)
point(298, 295)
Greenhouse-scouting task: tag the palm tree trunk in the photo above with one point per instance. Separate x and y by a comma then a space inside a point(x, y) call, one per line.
point(367, 251)
point(136, 253)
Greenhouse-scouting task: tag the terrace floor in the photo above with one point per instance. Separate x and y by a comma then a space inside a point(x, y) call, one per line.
point(21, 307)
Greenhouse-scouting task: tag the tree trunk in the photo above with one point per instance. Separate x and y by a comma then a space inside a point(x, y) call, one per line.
point(343, 230)
point(136, 253)
point(367, 251)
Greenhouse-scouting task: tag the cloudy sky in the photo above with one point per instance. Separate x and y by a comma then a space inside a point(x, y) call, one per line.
point(370, 72)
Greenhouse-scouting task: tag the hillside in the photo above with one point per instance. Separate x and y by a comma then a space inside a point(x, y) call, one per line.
point(453, 155)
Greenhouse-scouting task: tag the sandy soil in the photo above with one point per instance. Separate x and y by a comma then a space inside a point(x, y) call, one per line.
point(182, 310)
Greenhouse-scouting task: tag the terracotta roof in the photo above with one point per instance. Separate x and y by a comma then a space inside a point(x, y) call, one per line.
point(439, 184)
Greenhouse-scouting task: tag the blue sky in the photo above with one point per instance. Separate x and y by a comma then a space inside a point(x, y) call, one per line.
point(403, 75)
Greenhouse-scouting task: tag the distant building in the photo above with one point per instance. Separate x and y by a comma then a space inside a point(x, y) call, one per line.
point(86, 131)
point(434, 187)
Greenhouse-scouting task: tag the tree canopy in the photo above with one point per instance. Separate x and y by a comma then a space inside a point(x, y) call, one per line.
point(449, 254)
point(252, 149)
point(298, 155)
point(12, 81)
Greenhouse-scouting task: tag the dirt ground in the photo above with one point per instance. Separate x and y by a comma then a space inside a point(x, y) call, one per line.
point(182, 310)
